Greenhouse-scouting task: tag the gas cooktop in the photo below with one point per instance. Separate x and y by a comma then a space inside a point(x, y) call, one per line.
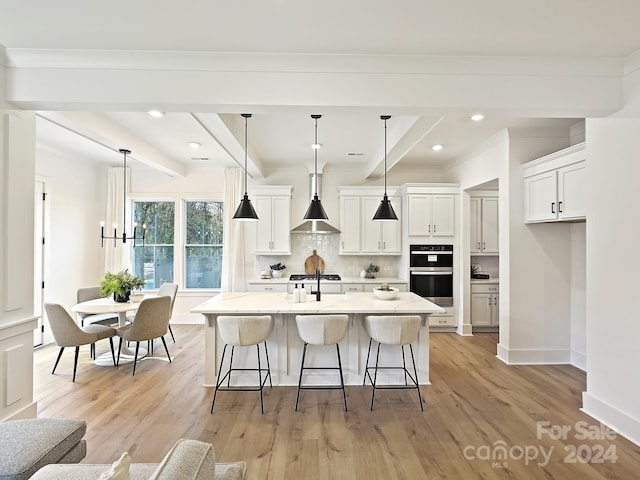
point(324, 276)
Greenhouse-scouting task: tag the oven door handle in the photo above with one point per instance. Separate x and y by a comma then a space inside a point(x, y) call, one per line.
point(438, 252)
point(431, 273)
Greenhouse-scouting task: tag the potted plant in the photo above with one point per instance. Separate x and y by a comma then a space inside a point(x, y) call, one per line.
point(371, 270)
point(277, 270)
point(120, 284)
point(385, 292)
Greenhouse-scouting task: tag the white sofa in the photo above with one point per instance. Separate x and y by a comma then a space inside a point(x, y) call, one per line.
point(187, 460)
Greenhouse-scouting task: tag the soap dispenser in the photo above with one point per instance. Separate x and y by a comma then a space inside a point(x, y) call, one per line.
point(303, 294)
point(296, 294)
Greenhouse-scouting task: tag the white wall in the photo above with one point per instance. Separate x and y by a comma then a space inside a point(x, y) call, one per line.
point(579, 295)
point(613, 303)
point(76, 196)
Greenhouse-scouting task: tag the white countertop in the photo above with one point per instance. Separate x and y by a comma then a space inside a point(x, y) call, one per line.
point(373, 281)
point(280, 302)
point(485, 280)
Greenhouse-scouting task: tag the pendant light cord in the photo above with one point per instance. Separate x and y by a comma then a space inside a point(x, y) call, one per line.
point(385, 157)
point(245, 153)
point(315, 159)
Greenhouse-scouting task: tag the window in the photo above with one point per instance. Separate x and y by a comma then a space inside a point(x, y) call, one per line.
point(203, 249)
point(154, 261)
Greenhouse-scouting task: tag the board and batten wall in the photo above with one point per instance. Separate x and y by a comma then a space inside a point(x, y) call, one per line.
point(613, 280)
point(17, 322)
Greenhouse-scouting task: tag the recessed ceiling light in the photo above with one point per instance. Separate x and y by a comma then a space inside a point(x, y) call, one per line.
point(194, 145)
point(437, 147)
point(355, 154)
point(316, 146)
point(477, 117)
point(156, 113)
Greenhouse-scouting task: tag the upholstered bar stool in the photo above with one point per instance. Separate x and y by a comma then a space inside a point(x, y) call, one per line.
point(322, 330)
point(243, 331)
point(398, 330)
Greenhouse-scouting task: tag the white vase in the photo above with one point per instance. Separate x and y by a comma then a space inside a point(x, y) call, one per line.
point(277, 273)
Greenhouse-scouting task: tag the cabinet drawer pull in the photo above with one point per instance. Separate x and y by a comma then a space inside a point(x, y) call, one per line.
point(553, 207)
point(483, 246)
point(559, 207)
point(478, 247)
point(489, 301)
point(434, 229)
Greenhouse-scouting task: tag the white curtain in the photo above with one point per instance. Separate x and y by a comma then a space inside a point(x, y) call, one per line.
point(118, 257)
point(233, 278)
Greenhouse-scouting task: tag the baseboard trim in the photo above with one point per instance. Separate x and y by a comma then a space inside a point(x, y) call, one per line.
point(579, 360)
point(30, 411)
point(615, 419)
point(533, 356)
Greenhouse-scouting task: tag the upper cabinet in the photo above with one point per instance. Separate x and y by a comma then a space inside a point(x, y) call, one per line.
point(555, 186)
point(484, 224)
point(359, 234)
point(432, 210)
point(273, 206)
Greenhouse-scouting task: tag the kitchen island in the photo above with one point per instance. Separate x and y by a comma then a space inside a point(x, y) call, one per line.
point(285, 346)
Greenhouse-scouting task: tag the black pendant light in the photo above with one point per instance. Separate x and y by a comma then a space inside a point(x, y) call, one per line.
point(245, 210)
point(385, 210)
point(315, 210)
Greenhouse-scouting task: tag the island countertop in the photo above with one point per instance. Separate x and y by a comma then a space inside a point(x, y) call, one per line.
point(284, 343)
point(281, 303)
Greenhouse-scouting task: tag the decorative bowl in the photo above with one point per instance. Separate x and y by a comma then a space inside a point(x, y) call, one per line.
point(136, 297)
point(386, 294)
point(277, 273)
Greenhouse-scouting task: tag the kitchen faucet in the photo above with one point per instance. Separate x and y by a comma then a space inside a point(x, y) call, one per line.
point(317, 292)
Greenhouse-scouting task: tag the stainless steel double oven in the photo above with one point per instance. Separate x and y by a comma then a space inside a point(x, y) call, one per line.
point(431, 273)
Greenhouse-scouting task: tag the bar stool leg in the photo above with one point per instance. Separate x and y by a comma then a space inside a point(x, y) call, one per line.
point(404, 366)
point(233, 349)
point(260, 379)
point(366, 365)
point(344, 393)
point(415, 372)
point(304, 354)
point(224, 350)
point(266, 352)
point(375, 378)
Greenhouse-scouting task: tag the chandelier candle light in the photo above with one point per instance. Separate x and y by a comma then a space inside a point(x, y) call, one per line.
point(124, 236)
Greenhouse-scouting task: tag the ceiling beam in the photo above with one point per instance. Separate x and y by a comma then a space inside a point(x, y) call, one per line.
point(113, 136)
point(403, 134)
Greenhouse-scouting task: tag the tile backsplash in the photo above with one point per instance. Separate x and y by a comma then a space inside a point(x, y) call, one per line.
point(327, 247)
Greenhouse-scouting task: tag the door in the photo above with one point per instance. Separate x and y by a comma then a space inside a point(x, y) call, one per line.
point(392, 230)
point(490, 225)
point(443, 216)
point(371, 230)
point(38, 260)
point(481, 309)
point(571, 191)
point(419, 214)
point(540, 197)
point(475, 225)
point(349, 225)
point(280, 225)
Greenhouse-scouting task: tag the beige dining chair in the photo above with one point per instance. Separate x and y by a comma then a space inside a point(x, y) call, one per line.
point(67, 333)
point(150, 322)
point(84, 294)
point(170, 290)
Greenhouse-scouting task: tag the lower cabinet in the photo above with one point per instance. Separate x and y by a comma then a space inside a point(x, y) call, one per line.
point(485, 305)
point(444, 319)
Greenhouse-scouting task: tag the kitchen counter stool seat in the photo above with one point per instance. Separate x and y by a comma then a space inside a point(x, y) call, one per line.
point(243, 331)
point(321, 330)
point(399, 330)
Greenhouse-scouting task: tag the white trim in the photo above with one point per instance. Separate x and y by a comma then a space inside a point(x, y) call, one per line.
point(533, 356)
point(621, 422)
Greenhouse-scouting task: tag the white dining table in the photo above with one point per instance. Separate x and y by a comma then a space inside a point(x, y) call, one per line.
point(108, 305)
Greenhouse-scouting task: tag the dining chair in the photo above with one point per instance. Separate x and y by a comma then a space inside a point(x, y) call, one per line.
point(84, 294)
point(150, 322)
point(67, 333)
point(398, 330)
point(170, 290)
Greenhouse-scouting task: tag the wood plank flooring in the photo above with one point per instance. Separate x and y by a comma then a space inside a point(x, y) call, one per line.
point(474, 405)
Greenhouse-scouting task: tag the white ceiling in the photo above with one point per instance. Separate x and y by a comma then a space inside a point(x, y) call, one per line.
point(469, 28)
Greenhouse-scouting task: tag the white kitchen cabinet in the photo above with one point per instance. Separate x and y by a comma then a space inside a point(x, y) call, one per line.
point(555, 186)
point(360, 235)
point(443, 319)
point(431, 215)
point(273, 228)
point(484, 225)
point(267, 287)
point(485, 305)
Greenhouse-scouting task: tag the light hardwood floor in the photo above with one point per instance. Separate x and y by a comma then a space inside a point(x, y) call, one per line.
point(475, 403)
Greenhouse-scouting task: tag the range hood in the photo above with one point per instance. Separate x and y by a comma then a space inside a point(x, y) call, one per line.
point(315, 226)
